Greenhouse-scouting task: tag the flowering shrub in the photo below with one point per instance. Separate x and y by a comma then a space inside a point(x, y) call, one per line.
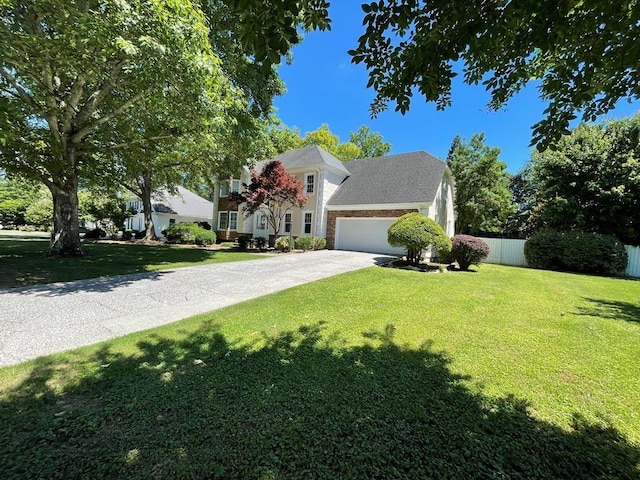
point(319, 243)
point(283, 244)
point(468, 250)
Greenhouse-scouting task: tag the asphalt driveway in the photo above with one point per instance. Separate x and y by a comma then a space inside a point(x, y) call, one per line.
point(44, 319)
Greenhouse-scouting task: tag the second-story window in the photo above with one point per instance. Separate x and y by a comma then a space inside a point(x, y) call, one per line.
point(310, 183)
point(224, 189)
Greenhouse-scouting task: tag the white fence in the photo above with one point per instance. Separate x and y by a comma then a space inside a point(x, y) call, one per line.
point(507, 251)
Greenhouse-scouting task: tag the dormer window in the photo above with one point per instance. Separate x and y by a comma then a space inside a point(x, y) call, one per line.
point(309, 182)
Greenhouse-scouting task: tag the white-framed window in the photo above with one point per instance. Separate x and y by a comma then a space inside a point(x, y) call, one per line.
point(306, 227)
point(223, 220)
point(287, 223)
point(310, 180)
point(225, 190)
point(228, 221)
point(261, 221)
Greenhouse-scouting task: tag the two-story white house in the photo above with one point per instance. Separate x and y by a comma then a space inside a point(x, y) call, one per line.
point(351, 204)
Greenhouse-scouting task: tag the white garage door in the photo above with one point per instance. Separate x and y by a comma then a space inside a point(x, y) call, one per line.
point(364, 235)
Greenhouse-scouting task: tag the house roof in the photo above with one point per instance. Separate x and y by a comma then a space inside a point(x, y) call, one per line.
point(405, 178)
point(184, 203)
point(309, 157)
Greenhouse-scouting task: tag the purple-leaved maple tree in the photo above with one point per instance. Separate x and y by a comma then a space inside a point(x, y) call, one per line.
point(274, 192)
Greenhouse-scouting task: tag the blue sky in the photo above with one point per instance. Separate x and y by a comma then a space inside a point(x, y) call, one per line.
point(323, 86)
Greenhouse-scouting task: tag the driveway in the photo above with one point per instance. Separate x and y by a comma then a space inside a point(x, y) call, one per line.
point(40, 320)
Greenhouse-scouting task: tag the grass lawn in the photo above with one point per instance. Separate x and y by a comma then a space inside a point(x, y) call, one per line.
point(22, 261)
point(380, 373)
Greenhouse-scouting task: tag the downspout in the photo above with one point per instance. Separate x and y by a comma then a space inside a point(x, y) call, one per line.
point(319, 202)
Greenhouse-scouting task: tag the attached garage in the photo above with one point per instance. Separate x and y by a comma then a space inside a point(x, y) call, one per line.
point(368, 234)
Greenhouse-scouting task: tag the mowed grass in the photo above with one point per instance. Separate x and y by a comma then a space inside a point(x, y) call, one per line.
point(23, 261)
point(380, 373)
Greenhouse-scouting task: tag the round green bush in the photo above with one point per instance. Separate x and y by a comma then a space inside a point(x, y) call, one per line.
point(576, 252)
point(468, 250)
point(283, 244)
point(417, 233)
point(319, 243)
point(190, 233)
point(304, 243)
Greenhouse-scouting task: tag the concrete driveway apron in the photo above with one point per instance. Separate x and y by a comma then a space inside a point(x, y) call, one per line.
point(45, 319)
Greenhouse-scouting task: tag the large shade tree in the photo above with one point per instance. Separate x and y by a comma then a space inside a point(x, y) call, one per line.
point(584, 55)
point(483, 201)
point(69, 71)
point(591, 182)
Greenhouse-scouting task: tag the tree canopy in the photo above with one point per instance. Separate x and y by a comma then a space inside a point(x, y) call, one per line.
point(584, 55)
point(371, 144)
point(483, 201)
point(591, 182)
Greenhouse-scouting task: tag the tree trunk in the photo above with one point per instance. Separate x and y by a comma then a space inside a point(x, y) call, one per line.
point(65, 238)
point(144, 182)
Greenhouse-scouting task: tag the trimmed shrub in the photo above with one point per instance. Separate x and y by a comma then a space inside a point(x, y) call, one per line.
point(140, 234)
point(468, 250)
point(95, 234)
point(283, 244)
point(190, 233)
point(128, 234)
point(243, 241)
point(319, 243)
point(576, 252)
point(417, 233)
point(304, 243)
point(261, 242)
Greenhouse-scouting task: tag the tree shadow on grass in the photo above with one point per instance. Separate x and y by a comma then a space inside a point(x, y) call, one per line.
point(615, 310)
point(295, 407)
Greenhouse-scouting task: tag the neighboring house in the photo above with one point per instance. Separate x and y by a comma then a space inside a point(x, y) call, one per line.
point(168, 208)
point(351, 204)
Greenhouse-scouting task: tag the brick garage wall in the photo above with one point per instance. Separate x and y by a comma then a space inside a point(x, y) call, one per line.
point(333, 214)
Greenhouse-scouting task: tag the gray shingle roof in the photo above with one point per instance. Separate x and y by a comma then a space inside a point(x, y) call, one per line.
point(405, 178)
point(185, 203)
point(308, 157)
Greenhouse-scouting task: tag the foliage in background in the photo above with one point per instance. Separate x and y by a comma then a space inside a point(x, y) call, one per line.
point(591, 182)
point(190, 233)
point(324, 138)
point(417, 233)
point(576, 252)
point(16, 195)
point(483, 202)
point(371, 144)
point(468, 250)
point(584, 54)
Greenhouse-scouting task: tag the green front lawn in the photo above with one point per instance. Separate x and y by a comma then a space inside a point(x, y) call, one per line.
point(22, 261)
point(380, 373)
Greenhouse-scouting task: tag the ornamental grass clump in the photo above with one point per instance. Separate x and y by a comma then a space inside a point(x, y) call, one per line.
point(468, 250)
point(417, 233)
